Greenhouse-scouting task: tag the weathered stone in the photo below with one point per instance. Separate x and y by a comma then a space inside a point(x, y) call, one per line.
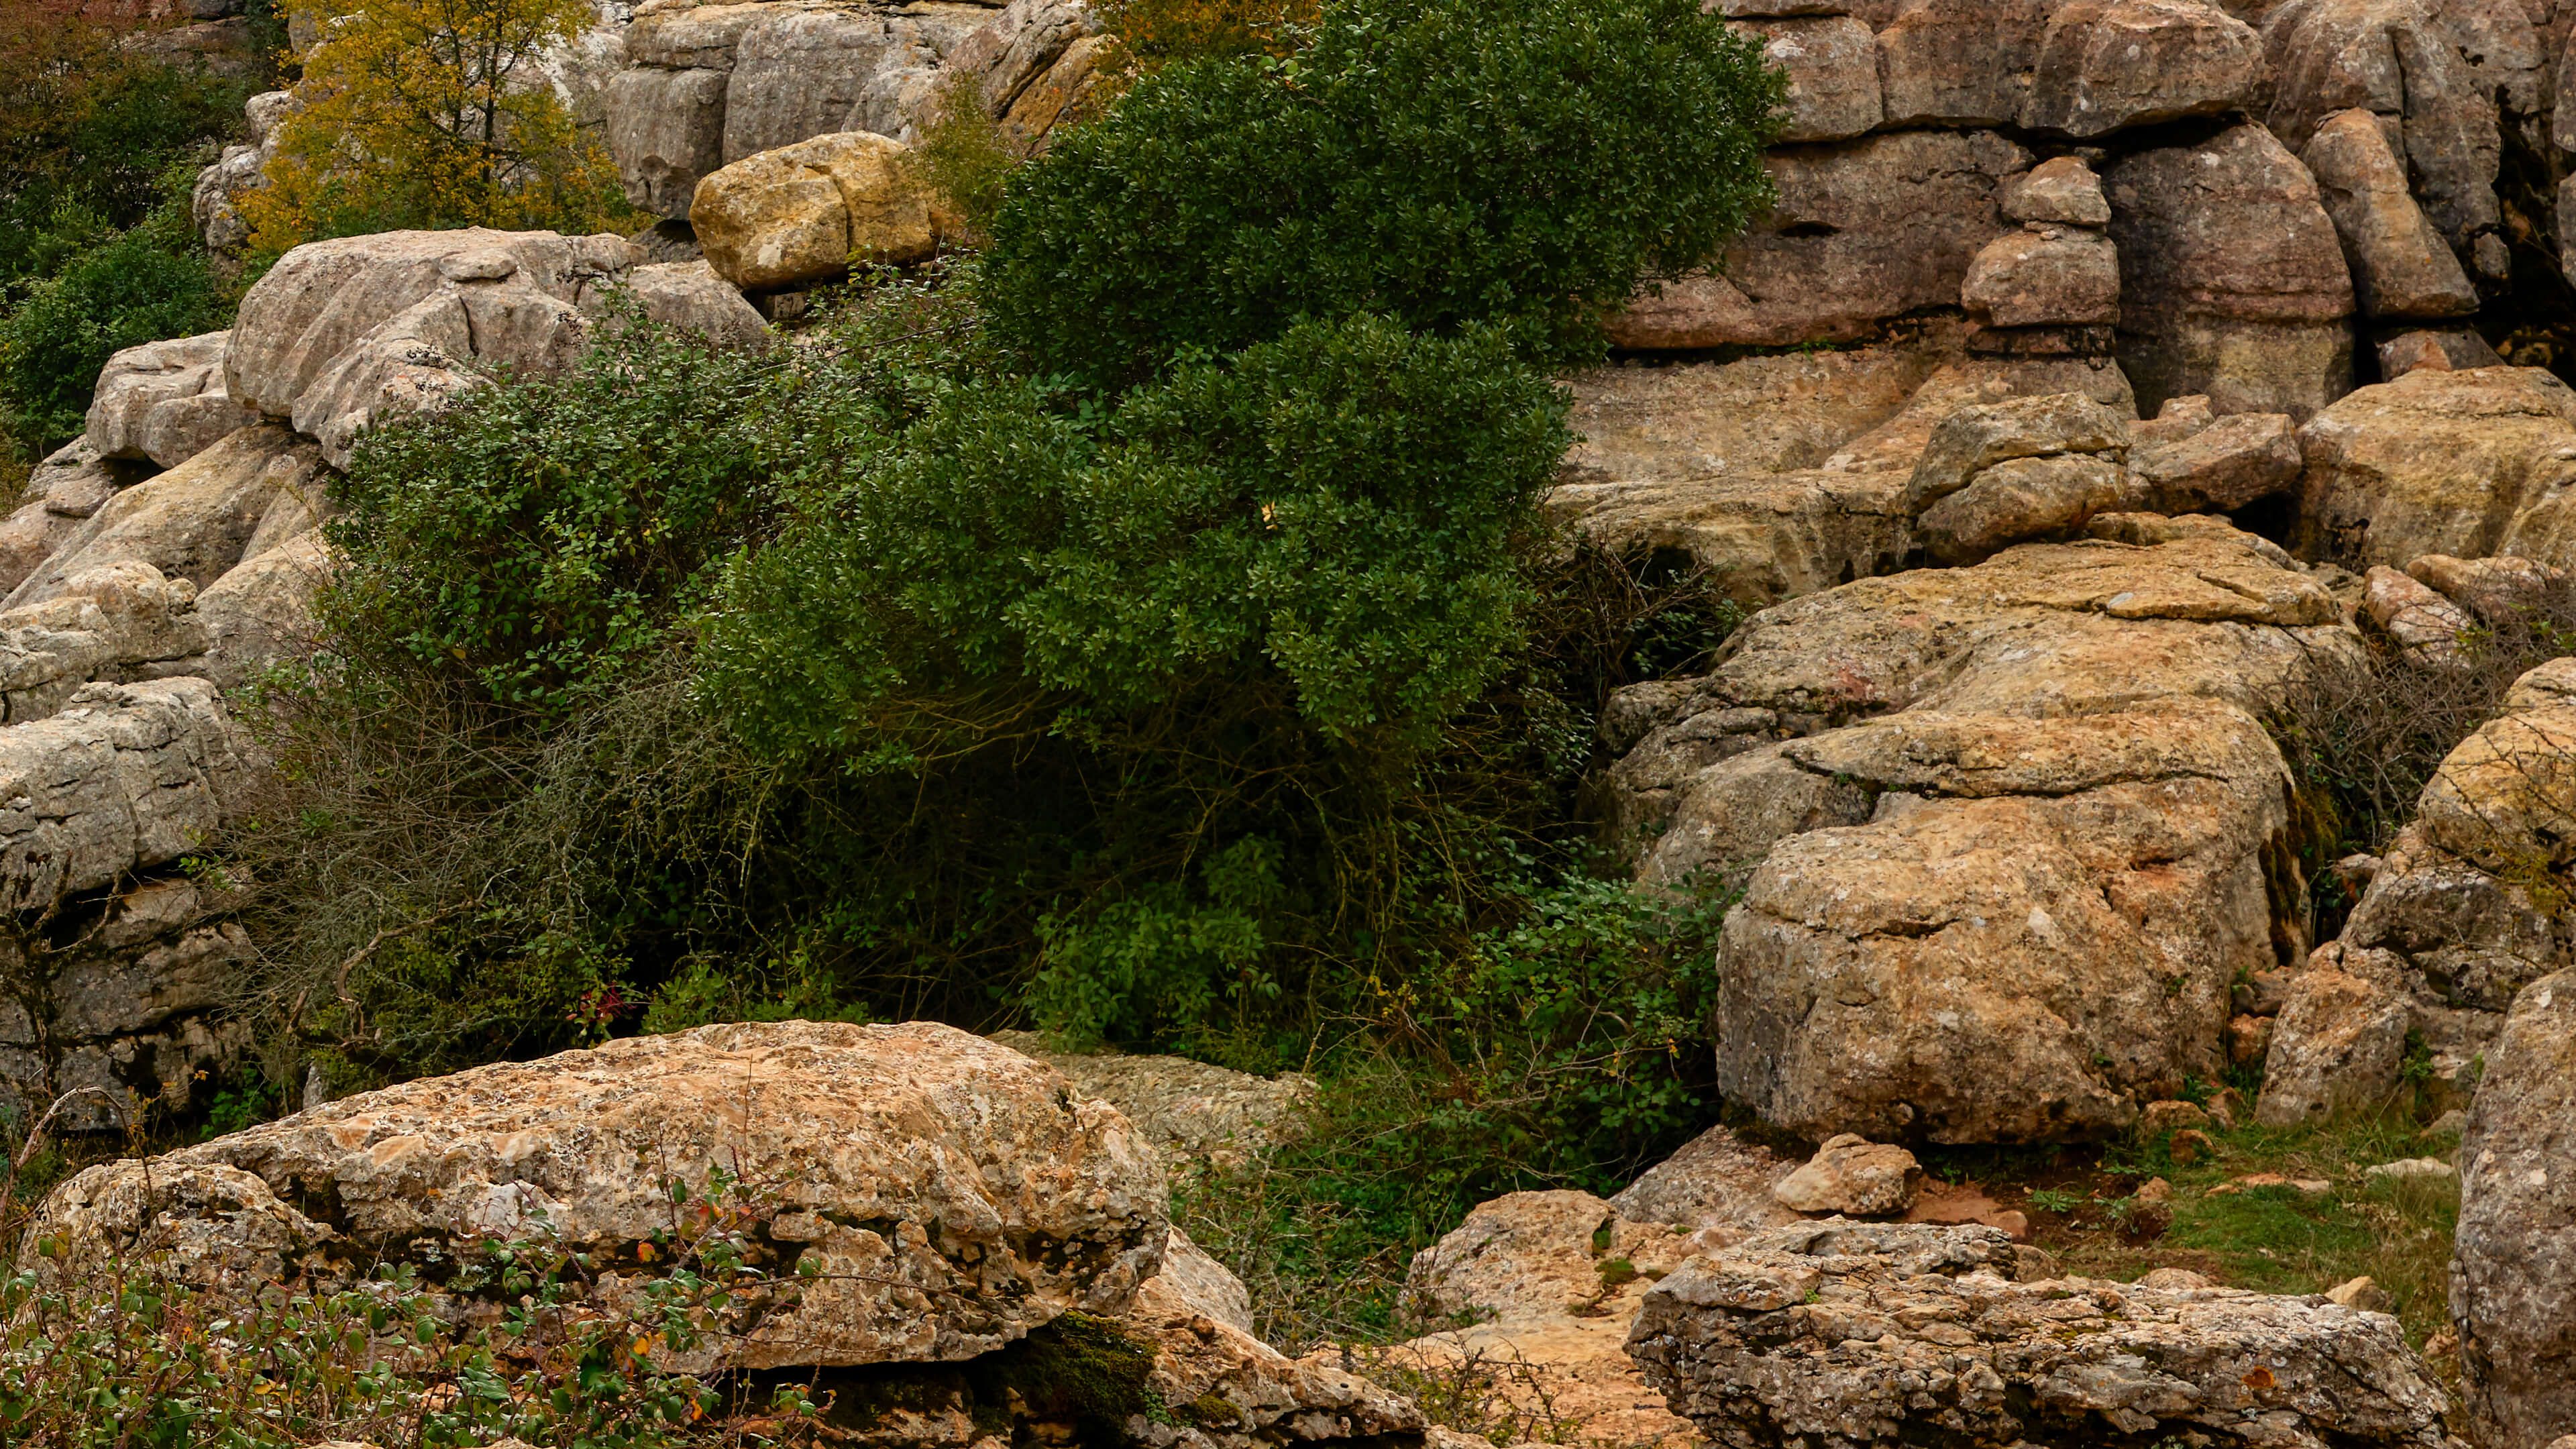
point(800, 73)
point(2049, 276)
point(2513, 1272)
point(164, 401)
point(1869, 1334)
point(2505, 798)
point(2074, 757)
point(1862, 232)
point(2455, 934)
point(666, 129)
point(193, 522)
point(1192, 1112)
point(800, 214)
point(1961, 62)
point(2062, 190)
point(261, 611)
point(1832, 66)
point(2424, 624)
point(2022, 500)
point(2401, 267)
point(71, 484)
point(2497, 590)
point(690, 297)
point(1716, 1180)
point(2445, 349)
point(124, 778)
point(1854, 1176)
point(2232, 279)
point(1974, 439)
point(2233, 462)
point(953, 1193)
point(2435, 462)
point(2107, 65)
point(2337, 1049)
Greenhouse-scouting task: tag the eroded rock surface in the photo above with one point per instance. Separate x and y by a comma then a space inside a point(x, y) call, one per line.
point(1862, 1334)
point(2513, 1279)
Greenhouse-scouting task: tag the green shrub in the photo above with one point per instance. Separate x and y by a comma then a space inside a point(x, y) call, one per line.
point(135, 286)
point(1439, 162)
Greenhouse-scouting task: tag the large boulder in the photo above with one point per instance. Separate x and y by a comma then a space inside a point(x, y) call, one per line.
point(194, 522)
point(1939, 780)
point(69, 485)
point(1832, 65)
point(343, 334)
point(803, 213)
point(2107, 65)
point(2232, 278)
point(1867, 1335)
point(1862, 232)
point(1961, 62)
point(2437, 462)
point(2401, 267)
point(164, 401)
point(953, 1194)
point(2513, 1273)
point(122, 778)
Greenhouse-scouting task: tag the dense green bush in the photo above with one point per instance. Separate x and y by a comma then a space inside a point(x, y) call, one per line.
point(139, 285)
point(1439, 162)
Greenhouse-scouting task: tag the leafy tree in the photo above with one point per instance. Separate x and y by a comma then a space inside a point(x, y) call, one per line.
point(1156, 33)
point(432, 113)
point(1438, 162)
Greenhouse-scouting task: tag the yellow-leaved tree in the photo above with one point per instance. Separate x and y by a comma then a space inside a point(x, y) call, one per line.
point(432, 113)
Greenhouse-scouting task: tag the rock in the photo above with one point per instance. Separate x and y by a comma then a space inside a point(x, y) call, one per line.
point(194, 522)
point(2425, 625)
point(2442, 349)
point(798, 74)
point(2497, 590)
point(800, 214)
point(1862, 232)
point(1994, 756)
point(1043, 1203)
point(1832, 66)
point(2401, 267)
point(2435, 462)
point(1023, 46)
point(666, 129)
point(2391, 58)
point(2337, 1049)
point(2062, 190)
point(1960, 62)
point(2175, 1278)
point(1880, 1334)
point(2178, 419)
point(1854, 1176)
point(1964, 1205)
point(2022, 500)
point(2108, 65)
point(1781, 475)
point(2505, 797)
point(2050, 276)
point(1189, 1111)
point(690, 297)
point(164, 401)
point(2362, 1296)
point(2407, 1169)
point(2232, 279)
point(2225, 466)
point(2190, 1145)
point(2513, 1272)
point(260, 612)
point(71, 484)
point(2248, 1039)
point(1974, 439)
point(1556, 1277)
point(1716, 1180)
point(124, 778)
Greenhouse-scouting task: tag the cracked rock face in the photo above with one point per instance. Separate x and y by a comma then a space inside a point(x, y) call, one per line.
point(2463, 463)
point(2513, 1279)
point(953, 1193)
point(1937, 784)
point(1839, 1336)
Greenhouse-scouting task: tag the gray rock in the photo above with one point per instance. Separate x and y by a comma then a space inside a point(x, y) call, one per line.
point(164, 401)
point(666, 129)
point(2233, 462)
point(1853, 1176)
point(1865, 1335)
point(125, 778)
point(2337, 1050)
point(1192, 1112)
point(2063, 190)
point(2513, 1273)
point(194, 522)
point(1716, 1179)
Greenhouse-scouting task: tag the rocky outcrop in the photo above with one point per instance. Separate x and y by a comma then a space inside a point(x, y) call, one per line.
point(803, 214)
point(164, 402)
point(2109, 65)
point(951, 1192)
point(1194, 1113)
point(1856, 1334)
point(1933, 781)
point(2440, 462)
point(2007, 473)
point(2513, 1278)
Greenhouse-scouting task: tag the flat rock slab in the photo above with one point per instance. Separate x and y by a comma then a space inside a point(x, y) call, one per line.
point(1840, 1336)
point(952, 1193)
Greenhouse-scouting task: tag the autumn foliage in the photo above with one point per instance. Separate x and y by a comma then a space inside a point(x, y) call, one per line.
point(433, 113)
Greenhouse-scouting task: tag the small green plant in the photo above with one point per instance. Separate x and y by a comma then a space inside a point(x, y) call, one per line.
point(2055, 1200)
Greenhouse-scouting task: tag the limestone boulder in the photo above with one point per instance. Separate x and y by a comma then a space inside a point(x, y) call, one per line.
point(666, 129)
point(1028, 64)
point(1717, 1180)
point(2062, 190)
point(2045, 276)
point(2401, 267)
point(2232, 278)
point(1867, 1334)
point(1853, 1176)
point(2021, 500)
point(1832, 65)
point(2336, 1050)
point(194, 522)
point(1194, 1113)
point(953, 1194)
point(2108, 65)
point(690, 297)
point(2513, 1270)
point(2234, 462)
point(1961, 62)
point(1863, 231)
point(164, 401)
point(2497, 590)
point(123, 778)
point(2436, 462)
point(68, 486)
point(2505, 797)
point(1939, 780)
point(802, 214)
